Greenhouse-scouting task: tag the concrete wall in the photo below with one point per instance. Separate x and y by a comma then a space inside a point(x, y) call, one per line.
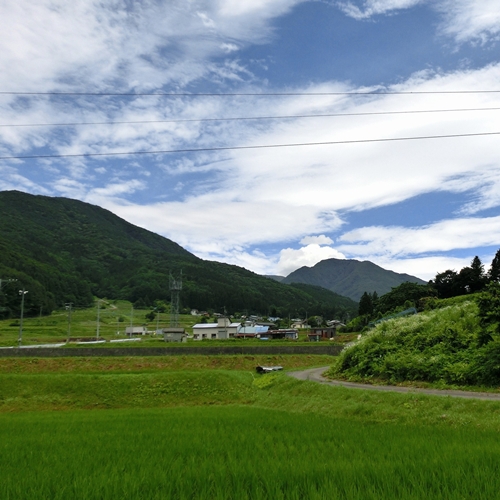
point(61, 352)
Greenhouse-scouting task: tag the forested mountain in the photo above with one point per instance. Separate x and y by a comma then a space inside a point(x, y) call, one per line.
point(64, 250)
point(350, 278)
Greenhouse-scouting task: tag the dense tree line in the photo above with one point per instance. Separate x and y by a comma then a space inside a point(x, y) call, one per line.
point(63, 250)
point(470, 279)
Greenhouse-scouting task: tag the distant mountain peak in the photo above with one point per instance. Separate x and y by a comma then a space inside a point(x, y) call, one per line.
point(350, 277)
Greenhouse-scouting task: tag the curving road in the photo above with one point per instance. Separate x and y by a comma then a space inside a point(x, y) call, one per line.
point(315, 375)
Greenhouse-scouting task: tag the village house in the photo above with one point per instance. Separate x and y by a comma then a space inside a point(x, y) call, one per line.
point(248, 331)
point(325, 332)
point(299, 323)
point(223, 329)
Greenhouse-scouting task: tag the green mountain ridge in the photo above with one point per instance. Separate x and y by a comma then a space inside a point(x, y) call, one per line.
point(63, 250)
point(350, 278)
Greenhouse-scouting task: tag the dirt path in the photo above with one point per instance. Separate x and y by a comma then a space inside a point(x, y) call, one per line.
point(315, 375)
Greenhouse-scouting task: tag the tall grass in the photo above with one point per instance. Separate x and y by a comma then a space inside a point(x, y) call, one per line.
point(435, 346)
point(244, 453)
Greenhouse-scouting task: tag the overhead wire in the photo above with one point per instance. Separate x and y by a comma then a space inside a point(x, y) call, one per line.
point(260, 146)
point(249, 94)
point(249, 118)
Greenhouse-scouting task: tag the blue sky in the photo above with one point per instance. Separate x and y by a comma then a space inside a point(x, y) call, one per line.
point(414, 206)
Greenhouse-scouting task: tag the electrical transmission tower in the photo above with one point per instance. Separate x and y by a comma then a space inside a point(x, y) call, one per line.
point(175, 285)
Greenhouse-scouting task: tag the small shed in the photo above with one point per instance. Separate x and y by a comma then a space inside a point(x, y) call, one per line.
point(314, 337)
point(174, 335)
point(281, 334)
point(135, 330)
point(327, 332)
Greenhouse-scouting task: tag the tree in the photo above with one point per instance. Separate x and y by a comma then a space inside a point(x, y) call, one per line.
point(489, 312)
point(150, 316)
point(494, 273)
point(472, 279)
point(365, 305)
point(446, 284)
point(400, 295)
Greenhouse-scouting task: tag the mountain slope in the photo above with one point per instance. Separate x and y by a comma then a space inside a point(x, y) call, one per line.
point(350, 278)
point(64, 250)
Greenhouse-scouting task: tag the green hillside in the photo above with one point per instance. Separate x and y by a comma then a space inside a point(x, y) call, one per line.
point(458, 343)
point(64, 250)
point(350, 278)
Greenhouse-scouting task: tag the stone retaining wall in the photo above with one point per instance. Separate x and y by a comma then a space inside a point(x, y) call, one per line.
point(48, 352)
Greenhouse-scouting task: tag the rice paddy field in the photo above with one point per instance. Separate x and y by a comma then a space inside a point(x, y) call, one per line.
point(200, 427)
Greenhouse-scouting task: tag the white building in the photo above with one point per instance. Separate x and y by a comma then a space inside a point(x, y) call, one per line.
point(223, 329)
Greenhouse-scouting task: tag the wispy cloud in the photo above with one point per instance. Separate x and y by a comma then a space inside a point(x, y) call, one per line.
point(368, 8)
point(475, 20)
point(440, 237)
point(226, 205)
point(464, 20)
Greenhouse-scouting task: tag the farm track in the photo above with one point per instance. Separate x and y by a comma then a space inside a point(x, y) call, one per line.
point(315, 375)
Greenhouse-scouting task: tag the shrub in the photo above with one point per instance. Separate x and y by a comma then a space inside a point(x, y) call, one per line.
point(437, 345)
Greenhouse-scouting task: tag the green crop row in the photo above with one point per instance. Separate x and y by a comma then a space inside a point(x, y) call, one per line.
point(233, 452)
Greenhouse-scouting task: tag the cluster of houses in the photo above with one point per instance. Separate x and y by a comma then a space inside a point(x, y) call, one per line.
point(252, 329)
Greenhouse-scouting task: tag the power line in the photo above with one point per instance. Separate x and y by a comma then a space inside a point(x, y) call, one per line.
point(279, 117)
point(247, 94)
point(261, 146)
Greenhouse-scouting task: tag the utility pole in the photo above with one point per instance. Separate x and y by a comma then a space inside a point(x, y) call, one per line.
point(22, 293)
point(175, 289)
point(98, 316)
point(69, 305)
point(131, 320)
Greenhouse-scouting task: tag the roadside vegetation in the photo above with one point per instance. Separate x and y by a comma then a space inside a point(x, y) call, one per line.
point(409, 298)
point(456, 343)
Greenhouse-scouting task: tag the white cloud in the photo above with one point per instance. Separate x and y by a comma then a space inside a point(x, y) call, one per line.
point(319, 240)
point(464, 20)
point(245, 198)
point(442, 236)
point(291, 259)
point(235, 200)
point(471, 19)
point(371, 8)
point(424, 268)
point(203, 221)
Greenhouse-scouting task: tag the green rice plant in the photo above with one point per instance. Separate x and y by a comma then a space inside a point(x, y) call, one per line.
point(239, 452)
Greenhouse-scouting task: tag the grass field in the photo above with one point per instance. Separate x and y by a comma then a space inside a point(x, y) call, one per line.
point(114, 317)
point(200, 427)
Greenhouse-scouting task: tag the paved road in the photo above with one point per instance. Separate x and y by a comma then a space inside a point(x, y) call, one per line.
point(315, 375)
